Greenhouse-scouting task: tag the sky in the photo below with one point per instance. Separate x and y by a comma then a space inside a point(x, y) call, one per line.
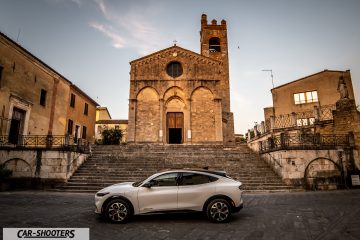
point(91, 42)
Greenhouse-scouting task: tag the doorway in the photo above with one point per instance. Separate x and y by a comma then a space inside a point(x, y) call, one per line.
point(175, 125)
point(16, 125)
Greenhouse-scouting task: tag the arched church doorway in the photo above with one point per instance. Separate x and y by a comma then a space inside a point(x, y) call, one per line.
point(175, 126)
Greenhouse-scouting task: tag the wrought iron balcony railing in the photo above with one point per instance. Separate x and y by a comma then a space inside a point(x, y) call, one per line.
point(44, 141)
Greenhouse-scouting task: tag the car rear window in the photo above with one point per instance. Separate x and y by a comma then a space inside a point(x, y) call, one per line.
point(195, 179)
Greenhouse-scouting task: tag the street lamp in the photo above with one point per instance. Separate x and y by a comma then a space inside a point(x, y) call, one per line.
point(272, 76)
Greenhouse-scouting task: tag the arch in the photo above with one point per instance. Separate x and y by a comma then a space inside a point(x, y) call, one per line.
point(204, 87)
point(147, 115)
point(172, 92)
point(323, 175)
point(214, 44)
point(19, 167)
point(203, 115)
point(142, 89)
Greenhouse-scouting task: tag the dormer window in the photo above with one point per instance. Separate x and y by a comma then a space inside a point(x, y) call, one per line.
point(214, 44)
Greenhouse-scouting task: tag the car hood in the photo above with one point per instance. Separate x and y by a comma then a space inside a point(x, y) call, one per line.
point(119, 188)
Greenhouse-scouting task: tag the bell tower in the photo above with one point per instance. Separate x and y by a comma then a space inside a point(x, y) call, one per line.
point(214, 44)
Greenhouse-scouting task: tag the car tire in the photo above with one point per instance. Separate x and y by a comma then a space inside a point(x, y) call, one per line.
point(118, 211)
point(218, 211)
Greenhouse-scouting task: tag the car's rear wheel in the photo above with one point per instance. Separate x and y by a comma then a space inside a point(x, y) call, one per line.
point(118, 211)
point(218, 211)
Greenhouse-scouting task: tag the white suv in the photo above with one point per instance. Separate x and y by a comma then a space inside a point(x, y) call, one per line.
point(177, 190)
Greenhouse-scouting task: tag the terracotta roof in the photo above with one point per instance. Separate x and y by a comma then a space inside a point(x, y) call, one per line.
point(326, 70)
point(112, 121)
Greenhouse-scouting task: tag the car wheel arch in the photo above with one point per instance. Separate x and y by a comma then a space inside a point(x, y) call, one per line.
point(117, 197)
point(220, 196)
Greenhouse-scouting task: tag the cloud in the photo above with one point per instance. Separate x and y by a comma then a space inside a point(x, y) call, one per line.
point(136, 30)
point(117, 40)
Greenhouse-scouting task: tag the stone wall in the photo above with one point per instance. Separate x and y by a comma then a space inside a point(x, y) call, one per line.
point(47, 165)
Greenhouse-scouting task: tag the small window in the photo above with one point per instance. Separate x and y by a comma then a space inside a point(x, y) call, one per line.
point(1, 70)
point(84, 132)
point(43, 97)
point(165, 180)
point(99, 129)
point(70, 126)
point(214, 44)
point(174, 69)
point(86, 108)
point(72, 100)
point(194, 179)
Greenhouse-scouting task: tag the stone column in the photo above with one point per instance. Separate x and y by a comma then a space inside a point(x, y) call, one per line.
point(218, 120)
point(255, 130)
point(132, 121)
point(161, 127)
point(293, 119)
point(316, 113)
point(188, 133)
point(263, 127)
point(249, 135)
point(272, 123)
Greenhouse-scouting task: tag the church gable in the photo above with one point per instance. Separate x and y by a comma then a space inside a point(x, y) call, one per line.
point(175, 63)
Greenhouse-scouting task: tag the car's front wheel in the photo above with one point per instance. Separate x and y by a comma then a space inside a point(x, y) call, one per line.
point(218, 210)
point(118, 211)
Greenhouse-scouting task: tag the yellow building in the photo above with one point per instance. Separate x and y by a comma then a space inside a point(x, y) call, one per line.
point(104, 121)
point(37, 100)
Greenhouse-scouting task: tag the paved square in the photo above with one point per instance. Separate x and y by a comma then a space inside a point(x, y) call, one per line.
point(303, 215)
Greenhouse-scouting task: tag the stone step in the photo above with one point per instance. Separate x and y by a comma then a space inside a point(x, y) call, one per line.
point(113, 164)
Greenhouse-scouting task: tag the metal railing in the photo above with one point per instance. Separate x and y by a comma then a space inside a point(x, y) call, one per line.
point(303, 141)
point(45, 142)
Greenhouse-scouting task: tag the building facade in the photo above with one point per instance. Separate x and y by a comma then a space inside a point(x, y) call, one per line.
point(35, 100)
point(311, 135)
point(181, 97)
point(104, 121)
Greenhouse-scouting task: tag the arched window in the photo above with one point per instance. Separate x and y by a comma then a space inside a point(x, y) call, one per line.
point(214, 44)
point(174, 69)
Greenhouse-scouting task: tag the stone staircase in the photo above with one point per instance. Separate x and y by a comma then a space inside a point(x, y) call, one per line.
point(113, 164)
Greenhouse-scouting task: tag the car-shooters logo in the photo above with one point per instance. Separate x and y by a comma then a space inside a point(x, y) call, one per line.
point(46, 233)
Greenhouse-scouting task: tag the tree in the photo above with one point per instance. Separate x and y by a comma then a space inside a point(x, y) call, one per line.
point(112, 136)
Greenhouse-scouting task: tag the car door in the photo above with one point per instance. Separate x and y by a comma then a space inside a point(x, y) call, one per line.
point(161, 196)
point(194, 190)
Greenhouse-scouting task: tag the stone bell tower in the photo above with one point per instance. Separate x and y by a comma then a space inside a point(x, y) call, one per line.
point(214, 44)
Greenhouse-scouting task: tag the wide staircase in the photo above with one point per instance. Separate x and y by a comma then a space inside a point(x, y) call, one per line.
point(113, 164)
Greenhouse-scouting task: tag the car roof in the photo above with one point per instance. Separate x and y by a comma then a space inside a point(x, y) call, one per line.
point(214, 172)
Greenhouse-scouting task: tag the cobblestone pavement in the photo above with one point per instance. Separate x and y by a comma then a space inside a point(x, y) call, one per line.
point(301, 215)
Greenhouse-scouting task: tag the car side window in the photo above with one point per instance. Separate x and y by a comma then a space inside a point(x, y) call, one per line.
point(165, 180)
point(195, 179)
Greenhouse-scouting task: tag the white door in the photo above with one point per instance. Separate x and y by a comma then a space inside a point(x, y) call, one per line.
point(162, 196)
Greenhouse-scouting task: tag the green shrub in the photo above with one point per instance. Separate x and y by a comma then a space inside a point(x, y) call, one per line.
point(4, 173)
point(112, 136)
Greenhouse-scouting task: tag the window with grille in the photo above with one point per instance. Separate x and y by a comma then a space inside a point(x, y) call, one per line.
point(70, 126)
point(306, 97)
point(84, 132)
point(174, 69)
point(86, 109)
point(214, 44)
point(72, 100)
point(43, 97)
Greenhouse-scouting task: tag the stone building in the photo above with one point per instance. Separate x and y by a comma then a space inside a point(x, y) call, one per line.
point(104, 121)
point(35, 100)
point(181, 97)
point(311, 135)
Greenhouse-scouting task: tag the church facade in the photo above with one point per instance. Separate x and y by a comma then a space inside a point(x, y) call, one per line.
point(181, 97)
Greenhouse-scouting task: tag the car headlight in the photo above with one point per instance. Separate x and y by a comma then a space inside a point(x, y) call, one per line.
point(101, 194)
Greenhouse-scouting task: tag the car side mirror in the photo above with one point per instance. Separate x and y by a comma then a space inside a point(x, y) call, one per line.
point(148, 184)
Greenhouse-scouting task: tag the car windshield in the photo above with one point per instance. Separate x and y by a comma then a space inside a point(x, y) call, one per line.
point(136, 184)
